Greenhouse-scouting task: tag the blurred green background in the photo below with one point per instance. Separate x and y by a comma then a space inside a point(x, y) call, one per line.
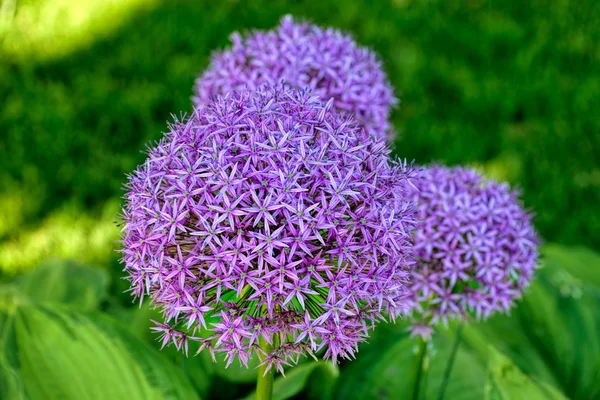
point(509, 86)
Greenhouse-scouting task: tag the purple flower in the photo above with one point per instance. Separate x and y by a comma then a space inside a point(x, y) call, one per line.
point(328, 62)
point(475, 247)
point(268, 214)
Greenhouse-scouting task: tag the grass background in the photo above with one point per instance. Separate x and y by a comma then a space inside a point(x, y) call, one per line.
point(510, 86)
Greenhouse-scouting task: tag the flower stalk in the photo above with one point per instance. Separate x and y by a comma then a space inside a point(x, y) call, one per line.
point(450, 364)
point(421, 355)
point(264, 380)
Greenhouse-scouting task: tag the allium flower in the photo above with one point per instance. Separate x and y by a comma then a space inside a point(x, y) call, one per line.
point(268, 214)
point(328, 62)
point(475, 247)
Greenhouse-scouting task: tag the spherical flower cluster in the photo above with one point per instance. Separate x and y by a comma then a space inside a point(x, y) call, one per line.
point(475, 247)
point(328, 62)
point(269, 215)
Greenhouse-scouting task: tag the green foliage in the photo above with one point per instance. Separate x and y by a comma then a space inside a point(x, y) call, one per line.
point(50, 349)
point(581, 268)
point(553, 333)
point(66, 233)
point(62, 25)
point(53, 351)
point(322, 381)
point(547, 347)
point(66, 283)
point(11, 385)
point(562, 321)
point(388, 371)
point(235, 373)
point(295, 381)
point(69, 356)
point(507, 382)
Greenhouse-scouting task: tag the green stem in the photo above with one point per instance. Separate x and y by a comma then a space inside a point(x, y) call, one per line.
point(448, 371)
point(264, 381)
point(425, 378)
point(422, 353)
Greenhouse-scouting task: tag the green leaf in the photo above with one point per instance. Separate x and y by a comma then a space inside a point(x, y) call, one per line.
point(322, 381)
point(66, 283)
point(564, 327)
point(158, 370)
point(235, 373)
point(582, 263)
point(195, 371)
point(552, 334)
point(507, 382)
point(11, 386)
point(296, 379)
point(201, 369)
point(60, 283)
point(138, 322)
point(389, 368)
point(506, 334)
point(64, 355)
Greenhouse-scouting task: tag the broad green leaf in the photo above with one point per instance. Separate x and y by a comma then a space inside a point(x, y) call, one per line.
point(565, 331)
point(66, 355)
point(9, 303)
point(66, 283)
point(201, 369)
point(11, 386)
point(195, 371)
point(322, 381)
point(467, 375)
point(158, 370)
point(389, 370)
point(55, 282)
point(139, 321)
point(506, 334)
point(296, 379)
point(552, 334)
point(559, 314)
point(507, 382)
point(236, 372)
point(582, 263)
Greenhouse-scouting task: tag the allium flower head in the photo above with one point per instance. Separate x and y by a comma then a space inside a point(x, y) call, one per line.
point(328, 62)
point(268, 214)
point(475, 247)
